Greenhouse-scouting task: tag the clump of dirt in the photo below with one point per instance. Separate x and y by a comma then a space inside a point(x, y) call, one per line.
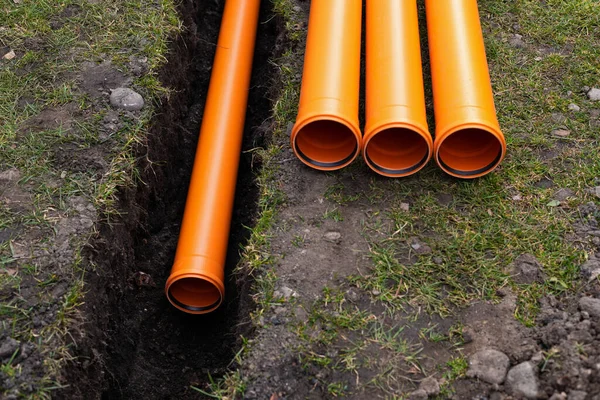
point(136, 344)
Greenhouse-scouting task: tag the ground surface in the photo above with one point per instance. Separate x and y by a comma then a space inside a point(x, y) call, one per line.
point(347, 284)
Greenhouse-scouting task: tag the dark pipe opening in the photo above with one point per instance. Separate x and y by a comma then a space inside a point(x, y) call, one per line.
point(326, 143)
point(194, 294)
point(397, 151)
point(470, 152)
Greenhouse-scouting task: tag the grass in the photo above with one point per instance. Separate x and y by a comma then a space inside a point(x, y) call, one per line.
point(51, 41)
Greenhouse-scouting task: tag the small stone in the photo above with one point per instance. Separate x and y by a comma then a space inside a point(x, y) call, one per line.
point(376, 292)
point(561, 132)
point(489, 365)
point(333, 236)
point(430, 386)
point(563, 194)
point(418, 394)
point(405, 207)
point(522, 380)
point(590, 305)
point(585, 316)
point(297, 8)
point(10, 55)
point(126, 99)
point(438, 260)
point(577, 395)
point(574, 107)
point(590, 269)
point(594, 94)
point(8, 347)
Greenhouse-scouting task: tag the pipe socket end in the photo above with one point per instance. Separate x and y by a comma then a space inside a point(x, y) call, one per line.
point(397, 151)
point(195, 294)
point(470, 152)
point(326, 144)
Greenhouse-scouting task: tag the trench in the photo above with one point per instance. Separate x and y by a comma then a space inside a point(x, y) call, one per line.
point(135, 344)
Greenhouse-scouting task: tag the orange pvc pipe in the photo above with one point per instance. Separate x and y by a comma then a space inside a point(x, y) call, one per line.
point(397, 141)
point(326, 135)
point(196, 284)
point(468, 141)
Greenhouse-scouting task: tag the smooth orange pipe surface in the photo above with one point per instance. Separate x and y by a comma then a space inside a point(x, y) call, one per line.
point(326, 135)
point(196, 284)
point(397, 141)
point(468, 141)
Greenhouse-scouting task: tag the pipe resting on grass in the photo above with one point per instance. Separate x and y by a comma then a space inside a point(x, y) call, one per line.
point(468, 141)
point(397, 141)
point(326, 135)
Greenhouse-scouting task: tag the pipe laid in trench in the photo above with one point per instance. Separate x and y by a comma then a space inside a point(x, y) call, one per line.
point(468, 141)
point(397, 141)
point(196, 284)
point(326, 135)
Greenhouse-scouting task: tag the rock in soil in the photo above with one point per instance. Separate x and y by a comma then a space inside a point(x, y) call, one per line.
point(591, 306)
point(590, 269)
point(574, 107)
point(594, 94)
point(8, 347)
point(489, 365)
point(430, 386)
point(126, 99)
point(522, 380)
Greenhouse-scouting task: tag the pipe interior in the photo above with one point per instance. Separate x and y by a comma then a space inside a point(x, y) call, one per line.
point(397, 151)
point(326, 143)
point(470, 152)
point(195, 294)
